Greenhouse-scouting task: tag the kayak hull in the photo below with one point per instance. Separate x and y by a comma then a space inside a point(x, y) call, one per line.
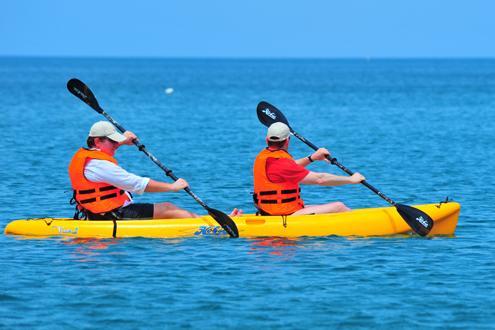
point(383, 221)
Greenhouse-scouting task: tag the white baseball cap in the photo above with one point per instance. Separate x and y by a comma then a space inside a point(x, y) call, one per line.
point(105, 129)
point(278, 132)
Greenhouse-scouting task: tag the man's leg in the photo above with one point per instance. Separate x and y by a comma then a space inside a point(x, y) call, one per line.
point(324, 208)
point(170, 211)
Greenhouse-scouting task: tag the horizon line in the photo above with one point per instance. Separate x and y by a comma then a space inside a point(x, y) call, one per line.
point(260, 58)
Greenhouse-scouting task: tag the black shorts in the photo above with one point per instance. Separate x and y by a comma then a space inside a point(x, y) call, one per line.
point(136, 211)
point(131, 211)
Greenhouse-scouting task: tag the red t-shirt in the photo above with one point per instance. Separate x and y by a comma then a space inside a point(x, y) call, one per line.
point(279, 170)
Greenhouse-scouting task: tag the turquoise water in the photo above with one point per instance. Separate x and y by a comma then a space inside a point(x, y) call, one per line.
point(420, 130)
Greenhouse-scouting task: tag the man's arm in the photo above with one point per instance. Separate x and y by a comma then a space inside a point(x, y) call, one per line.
point(327, 179)
point(104, 171)
point(157, 186)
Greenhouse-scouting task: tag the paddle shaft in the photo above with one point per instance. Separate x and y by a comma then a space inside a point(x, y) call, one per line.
point(343, 168)
point(142, 148)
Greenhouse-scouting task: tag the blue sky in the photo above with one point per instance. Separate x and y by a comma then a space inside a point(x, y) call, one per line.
point(250, 28)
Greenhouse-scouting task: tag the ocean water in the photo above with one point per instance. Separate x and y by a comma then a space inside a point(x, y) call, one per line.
point(419, 130)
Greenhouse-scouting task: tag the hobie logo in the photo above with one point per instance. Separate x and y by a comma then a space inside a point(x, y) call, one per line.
point(269, 113)
point(422, 221)
point(78, 92)
point(209, 231)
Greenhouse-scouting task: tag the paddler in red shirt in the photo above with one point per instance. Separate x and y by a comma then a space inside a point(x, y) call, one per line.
point(277, 177)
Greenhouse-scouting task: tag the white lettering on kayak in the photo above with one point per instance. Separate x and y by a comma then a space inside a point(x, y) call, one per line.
point(422, 221)
point(269, 113)
point(62, 230)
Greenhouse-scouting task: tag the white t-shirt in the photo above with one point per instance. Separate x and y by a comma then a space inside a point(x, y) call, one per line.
point(98, 170)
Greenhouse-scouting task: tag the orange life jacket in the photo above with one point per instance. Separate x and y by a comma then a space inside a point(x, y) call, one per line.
point(274, 198)
point(96, 197)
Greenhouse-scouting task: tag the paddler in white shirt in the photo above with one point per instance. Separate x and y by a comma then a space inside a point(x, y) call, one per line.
point(102, 188)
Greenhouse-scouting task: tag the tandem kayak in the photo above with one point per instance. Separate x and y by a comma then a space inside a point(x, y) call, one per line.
point(383, 221)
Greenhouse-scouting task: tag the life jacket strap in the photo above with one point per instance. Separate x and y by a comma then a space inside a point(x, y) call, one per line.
point(94, 199)
point(79, 212)
point(275, 192)
point(92, 191)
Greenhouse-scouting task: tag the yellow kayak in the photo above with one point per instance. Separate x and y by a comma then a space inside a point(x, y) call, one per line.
point(383, 221)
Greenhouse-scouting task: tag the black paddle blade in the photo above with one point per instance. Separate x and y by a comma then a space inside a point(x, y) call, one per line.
point(268, 114)
point(81, 91)
point(419, 221)
point(225, 221)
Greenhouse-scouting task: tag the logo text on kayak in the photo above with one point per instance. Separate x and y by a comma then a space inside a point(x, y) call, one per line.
point(269, 113)
point(62, 230)
point(210, 231)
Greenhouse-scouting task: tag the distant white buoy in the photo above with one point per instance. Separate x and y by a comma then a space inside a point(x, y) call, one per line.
point(169, 91)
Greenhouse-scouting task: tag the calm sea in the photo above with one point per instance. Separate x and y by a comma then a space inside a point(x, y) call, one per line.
point(419, 130)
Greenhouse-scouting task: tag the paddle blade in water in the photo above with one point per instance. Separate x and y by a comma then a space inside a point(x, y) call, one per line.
point(268, 114)
point(81, 91)
point(225, 221)
point(418, 220)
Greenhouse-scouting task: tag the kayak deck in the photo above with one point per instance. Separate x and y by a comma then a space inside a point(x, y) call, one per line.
point(383, 221)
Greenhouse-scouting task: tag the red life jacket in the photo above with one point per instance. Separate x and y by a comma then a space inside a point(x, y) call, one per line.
point(274, 198)
point(96, 197)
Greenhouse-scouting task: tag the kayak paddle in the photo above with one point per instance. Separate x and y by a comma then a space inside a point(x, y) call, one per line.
point(419, 221)
point(79, 89)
